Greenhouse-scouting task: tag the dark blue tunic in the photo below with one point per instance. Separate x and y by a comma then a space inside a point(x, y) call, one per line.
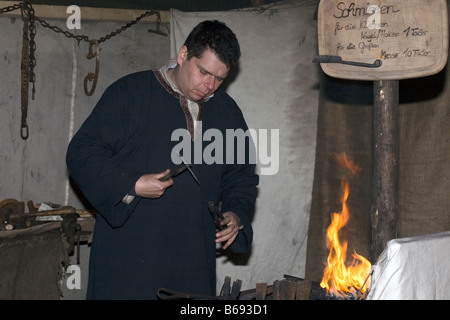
point(156, 243)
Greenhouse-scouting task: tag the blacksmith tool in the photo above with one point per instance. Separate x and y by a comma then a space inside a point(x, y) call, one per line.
point(189, 168)
point(177, 170)
point(174, 172)
point(216, 214)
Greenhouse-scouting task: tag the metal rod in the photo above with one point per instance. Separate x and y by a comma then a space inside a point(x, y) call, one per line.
point(337, 59)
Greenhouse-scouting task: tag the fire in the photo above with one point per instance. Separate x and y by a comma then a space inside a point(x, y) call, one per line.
point(339, 279)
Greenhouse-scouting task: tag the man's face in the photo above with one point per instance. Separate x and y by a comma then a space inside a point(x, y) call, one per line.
point(198, 78)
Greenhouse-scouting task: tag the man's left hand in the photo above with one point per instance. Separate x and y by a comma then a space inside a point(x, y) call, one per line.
point(229, 234)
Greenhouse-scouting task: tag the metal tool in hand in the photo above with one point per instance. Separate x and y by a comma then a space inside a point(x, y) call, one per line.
point(179, 169)
point(189, 168)
point(174, 172)
point(216, 214)
point(218, 217)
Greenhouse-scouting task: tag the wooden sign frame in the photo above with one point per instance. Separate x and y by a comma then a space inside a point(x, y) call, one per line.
point(383, 39)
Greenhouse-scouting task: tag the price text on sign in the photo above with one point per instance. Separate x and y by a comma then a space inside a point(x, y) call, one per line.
point(409, 37)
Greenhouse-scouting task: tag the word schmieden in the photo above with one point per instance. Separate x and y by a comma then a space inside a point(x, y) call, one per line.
point(240, 147)
point(373, 12)
point(345, 11)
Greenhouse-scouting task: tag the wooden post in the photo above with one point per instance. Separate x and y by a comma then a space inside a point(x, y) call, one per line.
point(384, 209)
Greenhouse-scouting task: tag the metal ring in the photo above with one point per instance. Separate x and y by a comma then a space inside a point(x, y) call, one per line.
point(24, 132)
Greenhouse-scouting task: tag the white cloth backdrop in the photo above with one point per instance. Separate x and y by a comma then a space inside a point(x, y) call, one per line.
point(413, 268)
point(277, 89)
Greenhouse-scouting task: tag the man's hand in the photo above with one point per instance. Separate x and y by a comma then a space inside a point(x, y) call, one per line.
point(229, 234)
point(149, 185)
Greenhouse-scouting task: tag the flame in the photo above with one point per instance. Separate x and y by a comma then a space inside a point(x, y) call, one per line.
point(339, 279)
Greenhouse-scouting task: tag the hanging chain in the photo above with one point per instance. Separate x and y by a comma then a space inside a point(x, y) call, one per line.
point(29, 11)
point(92, 77)
point(25, 77)
point(10, 8)
point(28, 61)
point(80, 38)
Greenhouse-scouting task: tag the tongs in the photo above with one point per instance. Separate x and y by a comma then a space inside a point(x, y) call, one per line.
point(216, 214)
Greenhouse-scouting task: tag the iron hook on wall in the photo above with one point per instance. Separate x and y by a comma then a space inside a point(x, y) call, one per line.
point(92, 76)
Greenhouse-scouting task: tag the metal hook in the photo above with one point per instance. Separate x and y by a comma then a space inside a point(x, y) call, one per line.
point(337, 59)
point(92, 76)
point(158, 26)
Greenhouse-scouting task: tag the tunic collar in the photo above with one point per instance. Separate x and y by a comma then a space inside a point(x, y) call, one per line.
point(170, 64)
point(192, 110)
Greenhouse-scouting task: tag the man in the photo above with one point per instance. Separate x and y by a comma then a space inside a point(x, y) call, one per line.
point(152, 234)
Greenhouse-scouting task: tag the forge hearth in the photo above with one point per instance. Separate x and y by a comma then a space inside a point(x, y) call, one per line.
point(289, 288)
point(292, 288)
